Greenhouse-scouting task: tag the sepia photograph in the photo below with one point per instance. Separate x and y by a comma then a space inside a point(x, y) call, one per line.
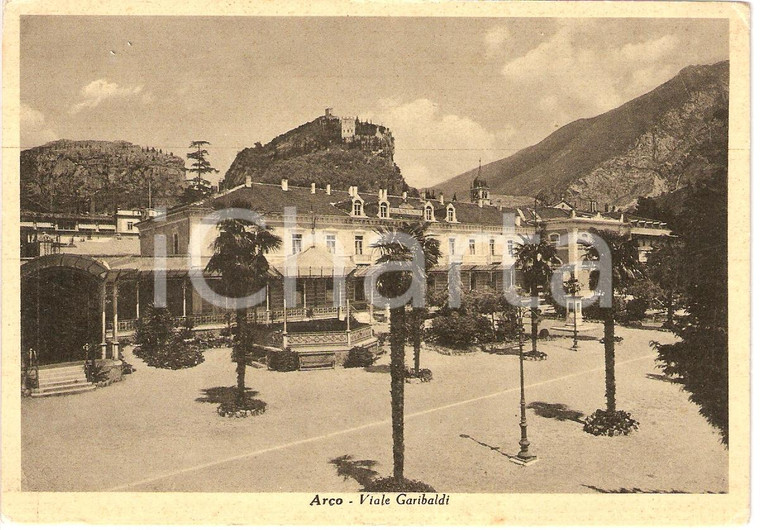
point(382, 262)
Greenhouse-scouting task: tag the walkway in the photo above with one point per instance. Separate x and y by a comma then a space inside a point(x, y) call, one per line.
point(149, 433)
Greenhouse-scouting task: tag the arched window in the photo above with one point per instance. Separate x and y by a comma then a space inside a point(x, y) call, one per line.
point(428, 213)
point(451, 214)
point(357, 208)
point(384, 209)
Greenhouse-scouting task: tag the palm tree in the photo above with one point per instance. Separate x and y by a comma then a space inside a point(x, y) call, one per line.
point(626, 267)
point(239, 257)
point(431, 248)
point(536, 261)
point(391, 285)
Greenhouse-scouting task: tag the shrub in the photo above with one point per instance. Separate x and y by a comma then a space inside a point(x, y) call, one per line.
point(176, 355)
point(249, 407)
point(405, 485)
point(359, 357)
point(155, 328)
point(636, 309)
point(248, 344)
point(283, 360)
point(603, 423)
point(459, 331)
point(425, 375)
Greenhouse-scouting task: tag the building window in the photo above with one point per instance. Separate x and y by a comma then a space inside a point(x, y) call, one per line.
point(330, 243)
point(357, 208)
point(492, 247)
point(130, 225)
point(428, 213)
point(472, 247)
point(452, 246)
point(554, 239)
point(358, 245)
point(511, 248)
point(297, 243)
point(383, 210)
point(175, 244)
point(450, 215)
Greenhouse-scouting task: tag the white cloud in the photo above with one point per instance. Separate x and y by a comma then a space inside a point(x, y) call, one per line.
point(34, 128)
point(580, 76)
point(431, 145)
point(100, 90)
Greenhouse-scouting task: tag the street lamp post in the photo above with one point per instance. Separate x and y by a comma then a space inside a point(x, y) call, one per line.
point(575, 324)
point(573, 287)
point(524, 456)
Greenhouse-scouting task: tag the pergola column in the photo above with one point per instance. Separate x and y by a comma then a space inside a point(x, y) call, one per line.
point(372, 306)
point(267, 301)
point(103, 320)
point(137, 299)
point(284, 321)
point(115, 345)
point(184, 298)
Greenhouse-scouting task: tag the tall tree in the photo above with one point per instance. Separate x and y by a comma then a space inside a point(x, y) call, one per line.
point(391, 285)
point(699, 360)
point(200, 166)
point(431, 248)
point(666, 268)
point(239, 257)
point(536, 262)
point(626, 267)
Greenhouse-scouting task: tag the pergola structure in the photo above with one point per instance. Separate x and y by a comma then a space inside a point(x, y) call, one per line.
point(125, 283)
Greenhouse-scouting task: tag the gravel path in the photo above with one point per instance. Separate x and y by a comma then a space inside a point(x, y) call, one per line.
point(150, 432)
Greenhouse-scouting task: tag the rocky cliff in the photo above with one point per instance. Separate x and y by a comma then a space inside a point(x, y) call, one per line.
point(68, 176)
point(321, 151)
point(656, 143)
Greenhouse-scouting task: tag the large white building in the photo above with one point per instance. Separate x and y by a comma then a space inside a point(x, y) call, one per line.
point(324, 229)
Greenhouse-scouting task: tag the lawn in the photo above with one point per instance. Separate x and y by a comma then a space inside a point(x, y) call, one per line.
point(329, 430)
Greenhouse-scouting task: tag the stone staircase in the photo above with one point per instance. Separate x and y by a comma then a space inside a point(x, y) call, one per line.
point(61, 379)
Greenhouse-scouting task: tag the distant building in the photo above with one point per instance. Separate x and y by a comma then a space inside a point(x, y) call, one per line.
point(59, 233)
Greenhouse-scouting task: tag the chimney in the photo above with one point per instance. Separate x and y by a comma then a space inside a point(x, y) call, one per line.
point(284, 184)
point(328, 189)
point(247, 181)
point(440, 198)
point(403, 196)
point(313, 188)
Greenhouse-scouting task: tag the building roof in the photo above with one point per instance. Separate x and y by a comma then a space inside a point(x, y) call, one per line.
point(103, 247)
point(267, 199)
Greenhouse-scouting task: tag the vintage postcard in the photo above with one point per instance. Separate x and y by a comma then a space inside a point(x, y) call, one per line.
point(408, 263)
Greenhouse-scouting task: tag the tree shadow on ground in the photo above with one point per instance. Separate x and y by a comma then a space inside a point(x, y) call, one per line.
point(378, 369)
point(661, 377)
point(483, 444)
point(359, 470)
point(632, 490)
point(557, 411)
point(223, 394)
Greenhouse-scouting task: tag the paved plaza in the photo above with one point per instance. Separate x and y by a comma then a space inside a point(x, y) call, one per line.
point(158, 430)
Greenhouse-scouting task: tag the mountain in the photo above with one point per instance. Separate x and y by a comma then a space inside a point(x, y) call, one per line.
point(68, 176)
point(656, 143)
point(342, 152)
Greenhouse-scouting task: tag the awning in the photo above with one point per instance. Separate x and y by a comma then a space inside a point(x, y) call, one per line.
point(314, 262)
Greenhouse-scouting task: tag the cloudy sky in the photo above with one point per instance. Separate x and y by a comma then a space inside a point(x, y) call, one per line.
point(453, 91)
